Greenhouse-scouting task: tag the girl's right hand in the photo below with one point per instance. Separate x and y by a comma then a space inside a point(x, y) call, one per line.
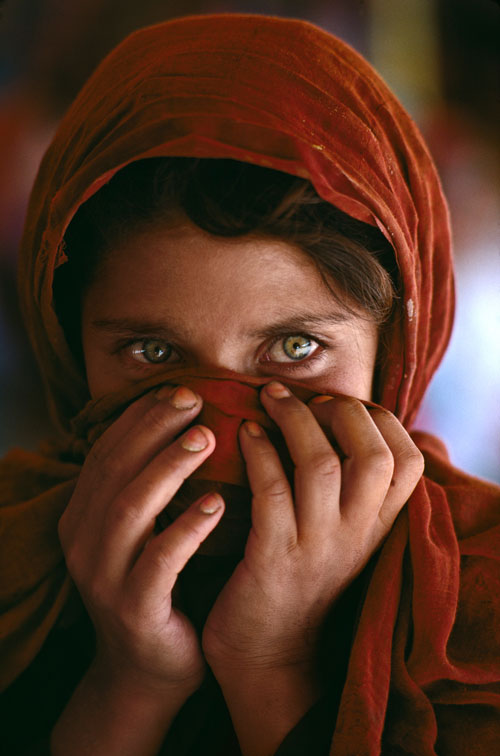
point(123, 571)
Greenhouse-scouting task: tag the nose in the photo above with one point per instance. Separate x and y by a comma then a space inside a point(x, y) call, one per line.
point(225, 355)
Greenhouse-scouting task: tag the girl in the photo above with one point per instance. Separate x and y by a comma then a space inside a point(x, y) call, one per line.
point(236, 275)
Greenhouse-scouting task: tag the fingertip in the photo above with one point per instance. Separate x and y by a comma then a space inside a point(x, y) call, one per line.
point(197, 438)
point(211, 504)
point(374, 408)
point(320, 399)
point(277, 390)
point(183, 398)
point(209, 434)
point(253, 429)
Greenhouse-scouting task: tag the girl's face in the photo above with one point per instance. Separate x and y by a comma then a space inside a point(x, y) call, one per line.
point(180, 297)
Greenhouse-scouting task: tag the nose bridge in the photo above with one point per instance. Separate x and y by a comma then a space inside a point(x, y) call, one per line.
point(217, 335)
point(221, 353)
point(216, 340)
point(214, 322)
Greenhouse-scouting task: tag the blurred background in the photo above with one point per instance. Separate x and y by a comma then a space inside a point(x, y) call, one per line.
point(441, 57)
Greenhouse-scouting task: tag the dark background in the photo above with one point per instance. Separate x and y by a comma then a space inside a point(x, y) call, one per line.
point(442, 59)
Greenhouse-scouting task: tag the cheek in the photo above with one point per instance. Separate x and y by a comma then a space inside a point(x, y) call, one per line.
point(98, 363)
point(102, 375)
point(98, 380)
point(103, 378)
point(366, 367)
point(366, 359)
point(354, 369)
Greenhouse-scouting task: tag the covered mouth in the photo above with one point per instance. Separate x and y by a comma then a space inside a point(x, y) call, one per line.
point(229, 399)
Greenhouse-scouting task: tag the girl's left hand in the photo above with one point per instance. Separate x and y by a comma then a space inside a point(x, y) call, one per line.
point(302, 553)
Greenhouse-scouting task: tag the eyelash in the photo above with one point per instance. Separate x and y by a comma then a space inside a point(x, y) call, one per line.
point(306, 364)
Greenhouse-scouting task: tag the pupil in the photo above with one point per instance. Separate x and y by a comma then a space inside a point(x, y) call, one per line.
point(156, 351)
point(296, 347)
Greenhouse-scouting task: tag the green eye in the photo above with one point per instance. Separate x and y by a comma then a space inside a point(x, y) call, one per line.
point(297, 347)
point(292, 348)
point(151, 350)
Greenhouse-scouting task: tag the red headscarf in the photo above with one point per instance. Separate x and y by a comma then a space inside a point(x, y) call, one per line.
point(283, 94)
point(279, 93)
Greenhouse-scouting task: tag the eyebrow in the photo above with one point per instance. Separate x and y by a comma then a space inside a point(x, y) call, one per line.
point(131, 326)
point(295, 323)
point(303, 322)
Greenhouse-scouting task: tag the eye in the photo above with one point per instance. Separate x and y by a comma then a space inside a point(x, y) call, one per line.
point(295, 347)
point(153, 351)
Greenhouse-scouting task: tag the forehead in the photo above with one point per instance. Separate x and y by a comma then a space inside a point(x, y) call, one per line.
point(177, 272)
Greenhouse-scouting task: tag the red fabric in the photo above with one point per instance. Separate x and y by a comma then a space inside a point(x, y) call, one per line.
point(197, 87)
point(424, 667)
point(228, 400)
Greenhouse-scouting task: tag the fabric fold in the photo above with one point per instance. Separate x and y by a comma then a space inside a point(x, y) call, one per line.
point(423, 672)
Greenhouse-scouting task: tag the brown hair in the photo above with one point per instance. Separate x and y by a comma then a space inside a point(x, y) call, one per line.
point(226, 198)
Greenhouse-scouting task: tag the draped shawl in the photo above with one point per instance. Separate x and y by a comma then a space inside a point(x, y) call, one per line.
point(424, 666)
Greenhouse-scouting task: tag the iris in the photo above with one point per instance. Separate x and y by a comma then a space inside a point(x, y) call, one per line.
point(152, 350)
point(297, 347)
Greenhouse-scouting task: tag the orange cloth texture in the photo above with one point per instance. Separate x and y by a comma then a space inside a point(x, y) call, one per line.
point(424, 666)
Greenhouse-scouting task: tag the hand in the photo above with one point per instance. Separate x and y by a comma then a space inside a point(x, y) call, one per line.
point(303, 551)
point(125, 573)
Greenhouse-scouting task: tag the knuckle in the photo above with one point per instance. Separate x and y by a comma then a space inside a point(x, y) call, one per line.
point(191, 529)
point(161, 560)
point(123, 512)
point(324, 465)
point(412, 461)
point(293, 406)
point(159, 556)
point(157, 417)
point(288, 548)
point(380, 461)
point(104, 466)
point(382, 412)
point(418, 460)
point(275, 488)
point(350, 404)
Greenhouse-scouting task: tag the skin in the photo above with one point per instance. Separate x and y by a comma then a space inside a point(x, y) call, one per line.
point(178, 285)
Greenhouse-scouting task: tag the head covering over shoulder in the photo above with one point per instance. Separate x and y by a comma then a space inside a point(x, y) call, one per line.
point(424, 663)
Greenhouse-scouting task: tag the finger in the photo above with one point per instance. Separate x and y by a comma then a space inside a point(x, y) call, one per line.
point(145, 427)
point(128, 418)
point(165, 555)
point(408, 467)
point(368, 466)
point(273, 516)
point(317, 466)
point(130, 517)
point(322, 414)
point(408, 461)
point(125, 448)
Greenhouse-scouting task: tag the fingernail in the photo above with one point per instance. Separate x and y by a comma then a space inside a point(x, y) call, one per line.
point(321, 399)
point(194, 440)
point(277, 390)
point(183, 398)
point(253, 429)
point(211, 504)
